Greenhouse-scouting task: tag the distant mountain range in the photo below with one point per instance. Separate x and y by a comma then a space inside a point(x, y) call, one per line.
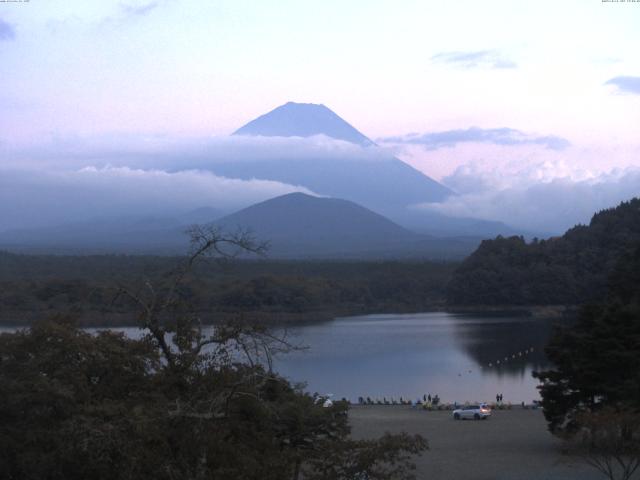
point(296, 225)
point(387, 185)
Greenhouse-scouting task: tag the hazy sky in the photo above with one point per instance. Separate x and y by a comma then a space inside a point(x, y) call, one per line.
point(548, 88)
point(388, 67)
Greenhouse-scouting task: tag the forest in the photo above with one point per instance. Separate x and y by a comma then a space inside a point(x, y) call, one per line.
point(569, 270)
point(268, 291)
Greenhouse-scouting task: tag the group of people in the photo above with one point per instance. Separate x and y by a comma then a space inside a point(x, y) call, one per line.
point(384, 401)
point(429, 400)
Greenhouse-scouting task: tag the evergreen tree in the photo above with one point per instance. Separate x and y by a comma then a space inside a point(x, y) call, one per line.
point(597, 360)
point(569, 270)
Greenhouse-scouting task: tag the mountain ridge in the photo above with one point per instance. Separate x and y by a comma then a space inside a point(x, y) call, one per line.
point(303, 226)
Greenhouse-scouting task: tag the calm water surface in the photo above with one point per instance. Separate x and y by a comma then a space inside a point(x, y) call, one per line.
point(455, 356)
point(459, 357)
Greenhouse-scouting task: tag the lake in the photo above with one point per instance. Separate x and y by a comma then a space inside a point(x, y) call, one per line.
point(459, 357)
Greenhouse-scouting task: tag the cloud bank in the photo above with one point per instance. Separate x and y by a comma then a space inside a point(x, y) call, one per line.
point(626, 84)
point(497, 136)
point(73, 179)
point(31, 198)
point(547, 197)
point(174, 154)
point(474, 59)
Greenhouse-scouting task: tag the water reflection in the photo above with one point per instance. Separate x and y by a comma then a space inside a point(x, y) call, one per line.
point(415, 354)
point(503, 346)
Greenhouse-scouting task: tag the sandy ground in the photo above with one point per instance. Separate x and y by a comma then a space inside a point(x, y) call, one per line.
point(512, 444)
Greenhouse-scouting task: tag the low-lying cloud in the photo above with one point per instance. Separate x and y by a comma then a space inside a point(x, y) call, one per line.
point(497, 136)
point(474, 59)
point(174, 154)
point(545, 198)
point(74, 179)
point(36, 198)
point(68, 180)
point(626, 84)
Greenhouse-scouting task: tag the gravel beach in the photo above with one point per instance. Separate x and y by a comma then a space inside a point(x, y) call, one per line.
point(512, 444)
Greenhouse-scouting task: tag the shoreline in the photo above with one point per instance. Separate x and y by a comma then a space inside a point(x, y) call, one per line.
point(537, 311)
point(449, 407)
point(97, 319)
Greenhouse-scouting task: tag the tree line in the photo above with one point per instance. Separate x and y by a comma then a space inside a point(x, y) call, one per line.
point(35, 286)
point(569, 270)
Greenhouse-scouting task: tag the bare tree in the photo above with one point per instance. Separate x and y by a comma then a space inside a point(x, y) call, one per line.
point(609, 441)
point(176, 328)
point(212, 377)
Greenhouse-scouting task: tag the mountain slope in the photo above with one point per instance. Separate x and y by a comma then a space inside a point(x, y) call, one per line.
point(303, 120)
point(134, 234)
point(299, 225)
point(313, 218)
point(439, 225)
point(572, 269)
point(375, 185)
point(383, 182)
point(296, 225)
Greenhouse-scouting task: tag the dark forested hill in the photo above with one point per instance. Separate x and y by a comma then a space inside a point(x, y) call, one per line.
point(297, 225)
point(571, 269)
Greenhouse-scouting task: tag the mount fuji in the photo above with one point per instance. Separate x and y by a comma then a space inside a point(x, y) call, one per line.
point(303, 120)
point(387, 186)
point(379, 184)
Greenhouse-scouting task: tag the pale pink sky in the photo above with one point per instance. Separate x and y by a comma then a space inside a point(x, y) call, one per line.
point(205, 68)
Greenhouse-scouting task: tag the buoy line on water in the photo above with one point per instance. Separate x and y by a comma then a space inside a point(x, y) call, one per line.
point(446, 406)
point(514, 356)
point(497, 363)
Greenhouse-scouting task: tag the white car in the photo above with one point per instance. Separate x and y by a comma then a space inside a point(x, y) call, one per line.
point(324, 400)
point(475, 412)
